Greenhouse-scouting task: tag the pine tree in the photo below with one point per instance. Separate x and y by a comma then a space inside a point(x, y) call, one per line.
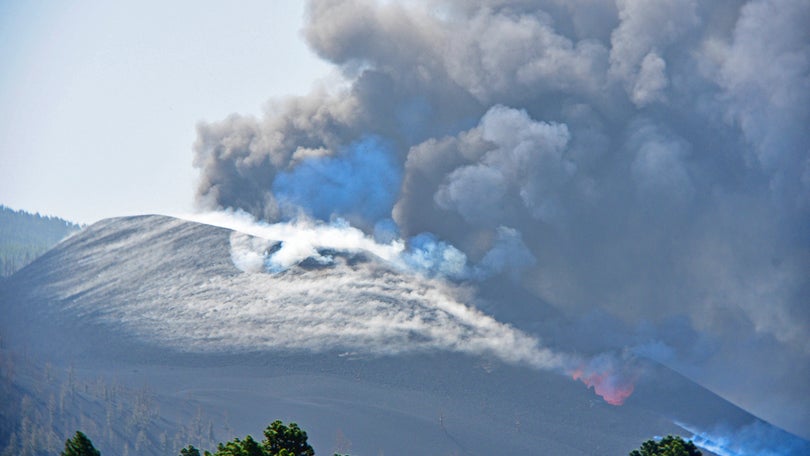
point(279, 437)
point(251, 447)
point(237, 447)
point(190, 451)
point(79, 445)
point(668, 446)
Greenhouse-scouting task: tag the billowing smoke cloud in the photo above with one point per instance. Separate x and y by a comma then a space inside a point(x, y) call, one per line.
point(527, 162)
point(644, 161)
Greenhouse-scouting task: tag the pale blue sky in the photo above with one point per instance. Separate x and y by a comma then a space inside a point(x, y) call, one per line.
point(99, 100)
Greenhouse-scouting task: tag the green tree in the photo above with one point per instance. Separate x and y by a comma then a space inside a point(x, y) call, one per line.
point(251, 447)
point(280, 440)
point(668, 446)
point(190, 451)
point(236, 447)
point(279, 437)
point(80, 445)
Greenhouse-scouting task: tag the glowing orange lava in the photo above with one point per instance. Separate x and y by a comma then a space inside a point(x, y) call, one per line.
point(613, 388)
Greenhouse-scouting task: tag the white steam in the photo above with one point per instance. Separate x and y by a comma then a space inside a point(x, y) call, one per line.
point(258, 246)
point(301, 239)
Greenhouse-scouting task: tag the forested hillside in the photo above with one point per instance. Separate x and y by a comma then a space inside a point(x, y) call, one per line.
point(25, 236)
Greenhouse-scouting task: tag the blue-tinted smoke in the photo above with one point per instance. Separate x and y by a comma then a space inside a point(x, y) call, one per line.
point(386, 231)
point(508, 254)
point(755, 439)
point(361, 181)
point(433, 257)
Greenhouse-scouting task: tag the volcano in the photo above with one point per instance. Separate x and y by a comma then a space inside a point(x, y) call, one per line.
point(191, 326)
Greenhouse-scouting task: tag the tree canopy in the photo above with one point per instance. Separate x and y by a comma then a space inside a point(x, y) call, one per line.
point(190, 451)
point(79, 445)
point(668, 446)
point(279, 440)
point(279, 437)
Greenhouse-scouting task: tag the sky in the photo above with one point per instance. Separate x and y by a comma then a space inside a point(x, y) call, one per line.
point(610, 175)
point(99, 101)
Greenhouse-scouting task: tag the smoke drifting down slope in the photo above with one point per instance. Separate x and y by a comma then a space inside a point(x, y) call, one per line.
point(368, 307)
point(643, 161)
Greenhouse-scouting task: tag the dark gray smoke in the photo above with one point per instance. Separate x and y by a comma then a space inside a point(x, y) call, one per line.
point(647, 163)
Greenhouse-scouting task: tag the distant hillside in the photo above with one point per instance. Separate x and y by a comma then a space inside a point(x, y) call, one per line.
point(25, 236)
